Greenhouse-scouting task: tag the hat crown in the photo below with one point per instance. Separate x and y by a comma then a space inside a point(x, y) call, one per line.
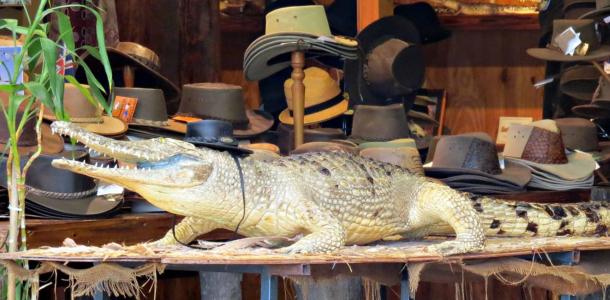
point(474, 151)
point(538, 142)
point(585, 27)
point(309, 19)
point(380, 123)
point(578, 134)
point(151, 103)
point(216, 101)
point(43, 176)
point(210, 131)
point(285, 136)
point(28, 135)
point(319, 88)
point(78, 108)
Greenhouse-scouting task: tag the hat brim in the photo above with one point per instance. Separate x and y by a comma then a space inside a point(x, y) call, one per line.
point(417, 115)
point(595, 13)
point(266, 60)
point(259, 121)
point(512, 173)
point(580, 165)
point(109, 126)
point(593, 111)
point(85, 207)
point(51, 143)
point(148, 78)
point(601, 53)
point(172, 125)
point(318, 117)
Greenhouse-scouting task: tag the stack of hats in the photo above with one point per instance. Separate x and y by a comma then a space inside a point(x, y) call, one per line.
point(288, 29)
point(582, 135)
point(539, 146)
point(469, 163)
point(400, 152)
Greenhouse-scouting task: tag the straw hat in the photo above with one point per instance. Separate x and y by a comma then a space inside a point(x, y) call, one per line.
point(323, 98)
point(86, 115)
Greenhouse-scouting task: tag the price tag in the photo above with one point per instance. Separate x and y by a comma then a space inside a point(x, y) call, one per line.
point(124, 108)
point(568, 41)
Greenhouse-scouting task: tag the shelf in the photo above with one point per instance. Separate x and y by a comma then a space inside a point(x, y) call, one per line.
point(492, 22)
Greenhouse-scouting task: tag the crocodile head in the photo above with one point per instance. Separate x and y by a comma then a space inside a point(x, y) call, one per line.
point(163, 166)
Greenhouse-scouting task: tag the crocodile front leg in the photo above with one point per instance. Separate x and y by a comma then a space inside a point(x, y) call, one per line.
point(440, 203)
point(187, 231)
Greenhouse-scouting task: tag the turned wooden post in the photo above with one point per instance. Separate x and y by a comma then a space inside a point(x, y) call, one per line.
point(128, 76)
point(298, 95)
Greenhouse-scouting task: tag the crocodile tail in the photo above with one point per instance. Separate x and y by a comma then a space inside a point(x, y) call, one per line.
point(510, 218)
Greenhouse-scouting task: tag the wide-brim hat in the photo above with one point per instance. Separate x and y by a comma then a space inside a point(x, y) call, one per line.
point(593, 111)
point(150, 110)
point(222, 101)
point(579, 82)
point(408, 66)
point(368, 120)
point(28, 143)
point(588, 34)
point(214, 134)
point(288, 29)
point(512, 173)
point(285, 137)
point(86, 115)
point(425, 19)
point(539, 146)
point(62, 194)
point(602, 8)
point(146, 70)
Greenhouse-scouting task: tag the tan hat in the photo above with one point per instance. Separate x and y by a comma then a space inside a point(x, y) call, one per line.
point(539, 146)
point(86, 115)
point(401, 152)
point(323, 98)
point(51, 143)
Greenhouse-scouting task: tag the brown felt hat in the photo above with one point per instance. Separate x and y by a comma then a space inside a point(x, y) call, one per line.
point(600, 104)
point(150, 110)
point(285, 136)
point(51, 143)
point(323, 98)
point(602, 9)
point(146, 66)
point(588, 34)
point(474, 154)
point(86, 115)
point(225, 102)
point(539, 146)
point(579, 82)
point(379, 123)
point(581, 134)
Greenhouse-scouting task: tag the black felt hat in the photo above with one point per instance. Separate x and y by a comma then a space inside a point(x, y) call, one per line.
point(214, 134)
point(423, 16)
point(391, 63)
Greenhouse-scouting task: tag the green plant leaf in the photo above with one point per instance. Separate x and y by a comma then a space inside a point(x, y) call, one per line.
point(65, 30)
point(92, 51)
point(41, 93)
point(86, 92)
point(56, 82)
point(13, 26)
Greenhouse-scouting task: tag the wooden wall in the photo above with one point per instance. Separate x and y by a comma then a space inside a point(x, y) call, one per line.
point(487, 74)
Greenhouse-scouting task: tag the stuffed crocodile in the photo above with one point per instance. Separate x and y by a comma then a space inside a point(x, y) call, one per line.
point(332, 199)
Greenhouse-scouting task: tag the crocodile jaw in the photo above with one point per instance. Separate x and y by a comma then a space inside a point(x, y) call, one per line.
point(128, 151)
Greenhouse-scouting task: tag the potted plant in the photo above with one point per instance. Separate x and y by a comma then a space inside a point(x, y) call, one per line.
point(42, 85)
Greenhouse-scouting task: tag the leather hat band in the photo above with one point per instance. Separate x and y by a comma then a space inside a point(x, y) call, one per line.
point(322, 106)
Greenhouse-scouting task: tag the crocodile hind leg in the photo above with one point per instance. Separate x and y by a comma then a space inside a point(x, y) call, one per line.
point(441, 203)
point(186, 231)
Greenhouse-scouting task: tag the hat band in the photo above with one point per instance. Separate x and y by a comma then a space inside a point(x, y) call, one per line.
point(63, 196)
point(239, 125)
point(212, 140)
point(148, 122)
point(322, 106)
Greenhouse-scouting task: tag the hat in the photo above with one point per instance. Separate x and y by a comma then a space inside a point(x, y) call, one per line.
point(221, 101)
point(150, 111)
point(324, 147)
point(303, 28)
point(588, 34)
point(473, 154)
point(424, 17)
point(323, 98)
point(86, 115)
point(579, 82)
point(28, 143)
point(401, 152)
point(602, 8)
point(214, 134)
point(62, 194)
point(581, 134)
point(391, 64)
point(573, 9)
point(539, 146)
point(285, 136)
point(146, 64)
point(379, 123)
point(600, 104)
